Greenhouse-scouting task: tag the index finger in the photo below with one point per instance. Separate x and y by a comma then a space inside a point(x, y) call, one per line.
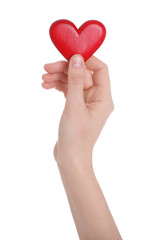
point(94, 64)
point(60, 66)
point(100, 71)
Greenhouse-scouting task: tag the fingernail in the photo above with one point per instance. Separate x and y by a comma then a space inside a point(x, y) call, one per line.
point(77, 61)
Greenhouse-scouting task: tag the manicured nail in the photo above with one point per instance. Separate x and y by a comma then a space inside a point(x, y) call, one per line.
point(77, 61)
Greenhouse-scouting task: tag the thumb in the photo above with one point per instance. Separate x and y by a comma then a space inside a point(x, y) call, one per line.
point(76, 75)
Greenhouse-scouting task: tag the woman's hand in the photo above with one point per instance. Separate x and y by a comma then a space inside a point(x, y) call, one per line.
point(88, 105)
point(57, 77)
point(86, 87)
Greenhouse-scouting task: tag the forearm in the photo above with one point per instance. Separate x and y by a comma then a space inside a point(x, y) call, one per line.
point(90, 212)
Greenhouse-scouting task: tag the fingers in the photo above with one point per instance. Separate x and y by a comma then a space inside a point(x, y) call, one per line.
point(88, 81)
point(48, 78)
point(100, 71)
point(59, 70)
point(60, 66)
point(49, 85)
point(76, 76)
point(94, 64)
point(56, 76)
point(60, 86)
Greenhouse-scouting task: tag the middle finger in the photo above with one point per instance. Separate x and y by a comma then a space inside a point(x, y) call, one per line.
point(54, 77)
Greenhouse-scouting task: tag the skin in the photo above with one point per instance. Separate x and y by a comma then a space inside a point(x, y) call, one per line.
point(88, 105)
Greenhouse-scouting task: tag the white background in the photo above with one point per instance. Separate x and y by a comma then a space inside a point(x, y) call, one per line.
point(33, 203)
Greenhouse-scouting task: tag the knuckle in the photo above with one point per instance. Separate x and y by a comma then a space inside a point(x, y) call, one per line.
point(105, 67)
point(111, 105)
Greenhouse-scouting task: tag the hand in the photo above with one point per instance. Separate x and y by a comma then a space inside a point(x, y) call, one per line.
point(57, 77)
point(86, 87)
point(88, 105)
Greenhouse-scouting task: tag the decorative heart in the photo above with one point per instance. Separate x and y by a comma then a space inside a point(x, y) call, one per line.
point(69, 40)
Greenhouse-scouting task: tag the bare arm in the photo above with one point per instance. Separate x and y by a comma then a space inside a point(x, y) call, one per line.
point(88, 105)
point(90, 212)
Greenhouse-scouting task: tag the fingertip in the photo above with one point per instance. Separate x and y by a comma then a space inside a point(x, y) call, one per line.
point(42, 85)
point(43, 76)
point(60, 66)
point(48, 66)
point(44, 66)
point(45, 86)
point(77, 61)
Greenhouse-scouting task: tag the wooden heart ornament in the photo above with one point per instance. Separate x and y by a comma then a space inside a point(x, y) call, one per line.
point(84, 41)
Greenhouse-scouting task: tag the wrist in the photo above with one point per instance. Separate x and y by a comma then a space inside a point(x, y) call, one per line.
point(73, 163)
point(74, 175)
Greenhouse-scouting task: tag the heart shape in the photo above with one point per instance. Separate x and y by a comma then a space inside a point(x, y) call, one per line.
point(84, 41)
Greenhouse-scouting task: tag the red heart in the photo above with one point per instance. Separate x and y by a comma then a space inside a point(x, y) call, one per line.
point(69, 40)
